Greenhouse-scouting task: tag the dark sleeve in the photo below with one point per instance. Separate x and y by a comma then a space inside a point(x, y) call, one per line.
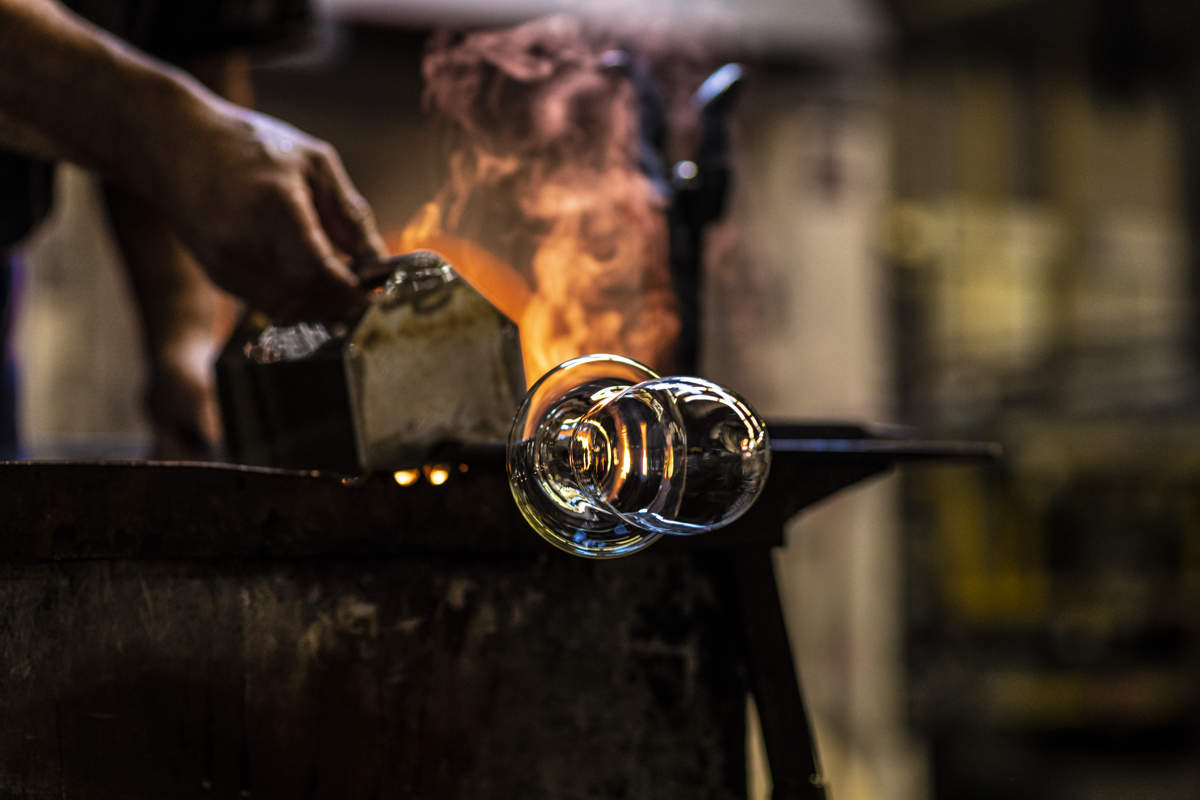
point(25, 190)
point(177, 30)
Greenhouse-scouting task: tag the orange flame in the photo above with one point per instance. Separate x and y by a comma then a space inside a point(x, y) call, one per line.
point(565, 315)
point(546, 212)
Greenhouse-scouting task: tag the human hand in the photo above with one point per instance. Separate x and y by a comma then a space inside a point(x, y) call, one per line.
point(268, 211)
point(181, 402)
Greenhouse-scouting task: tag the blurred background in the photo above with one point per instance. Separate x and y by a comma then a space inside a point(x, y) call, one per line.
point(977, 218)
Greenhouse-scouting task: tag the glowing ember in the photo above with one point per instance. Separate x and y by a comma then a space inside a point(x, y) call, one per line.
point(504, 286)
point(406, 477)
point(437, 474)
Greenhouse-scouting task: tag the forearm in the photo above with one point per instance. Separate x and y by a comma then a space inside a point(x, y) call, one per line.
point(174, 299)
point(73, 90)
point(177, 302)
point(267, 210)
point(21, 138)
point(178, 308)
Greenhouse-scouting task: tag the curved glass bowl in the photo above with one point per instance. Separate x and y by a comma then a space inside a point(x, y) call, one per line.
point(605, 456)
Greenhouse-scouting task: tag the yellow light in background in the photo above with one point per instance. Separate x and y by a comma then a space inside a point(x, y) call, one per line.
point(406, 477)
point(437, 474)
point(463, 467)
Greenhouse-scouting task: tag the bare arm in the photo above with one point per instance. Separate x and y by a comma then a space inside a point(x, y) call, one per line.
point(184, 318)
point(267, 210)
point(75, 86)
point(19, 137)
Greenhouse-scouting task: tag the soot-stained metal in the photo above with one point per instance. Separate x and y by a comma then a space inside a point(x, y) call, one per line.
point(430, 360)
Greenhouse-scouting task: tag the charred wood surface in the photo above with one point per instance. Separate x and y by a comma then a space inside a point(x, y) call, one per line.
point(532, 677)
point(174, 630)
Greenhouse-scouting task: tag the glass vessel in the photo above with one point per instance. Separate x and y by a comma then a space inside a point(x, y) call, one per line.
point(605, 456)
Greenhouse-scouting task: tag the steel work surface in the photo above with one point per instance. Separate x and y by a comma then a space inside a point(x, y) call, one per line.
point(160, 510)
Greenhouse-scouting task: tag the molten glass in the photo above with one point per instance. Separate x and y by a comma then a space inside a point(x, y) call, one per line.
point(605, 456)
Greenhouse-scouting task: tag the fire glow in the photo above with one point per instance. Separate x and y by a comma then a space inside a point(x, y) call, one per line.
point(545, 211)
point(435, 474)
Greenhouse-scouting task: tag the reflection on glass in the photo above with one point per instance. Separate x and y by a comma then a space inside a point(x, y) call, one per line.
point(605, 456)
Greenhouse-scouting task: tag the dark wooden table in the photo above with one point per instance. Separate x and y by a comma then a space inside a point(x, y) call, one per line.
point(183, 630)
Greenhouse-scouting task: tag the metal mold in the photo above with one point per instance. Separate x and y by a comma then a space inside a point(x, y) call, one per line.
point(430, 360)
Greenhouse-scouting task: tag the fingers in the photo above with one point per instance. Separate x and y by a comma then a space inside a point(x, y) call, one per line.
point(343, 212)
point(182, 404)
point(326, 286)
point(294, 273)
point(277, 220)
